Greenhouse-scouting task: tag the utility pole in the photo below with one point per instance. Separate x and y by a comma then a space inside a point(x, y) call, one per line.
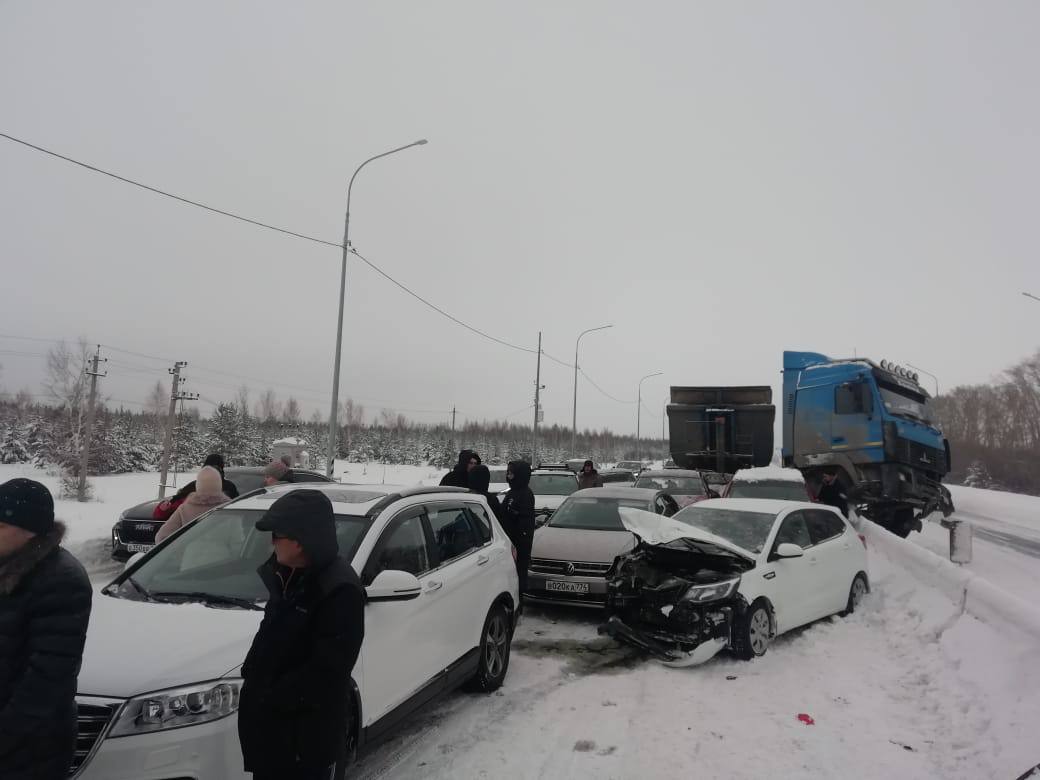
point(537, 401)
point(175, 395)
point(84, 459)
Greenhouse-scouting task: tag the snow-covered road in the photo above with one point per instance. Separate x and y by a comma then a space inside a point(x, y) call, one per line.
point(885, 694)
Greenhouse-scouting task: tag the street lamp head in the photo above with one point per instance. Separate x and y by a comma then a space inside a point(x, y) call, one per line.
point(421, 142)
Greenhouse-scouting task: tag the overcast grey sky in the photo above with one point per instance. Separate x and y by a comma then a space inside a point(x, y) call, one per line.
point(720, 181)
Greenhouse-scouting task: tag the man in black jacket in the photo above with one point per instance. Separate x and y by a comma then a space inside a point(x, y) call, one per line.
point(44, 610)
point(294, 710)
point(459, 476)
point(518, 512)
point(831, 493)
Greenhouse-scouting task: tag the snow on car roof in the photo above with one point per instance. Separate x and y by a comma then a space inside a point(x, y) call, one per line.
point(359, 498)
point(769, 473)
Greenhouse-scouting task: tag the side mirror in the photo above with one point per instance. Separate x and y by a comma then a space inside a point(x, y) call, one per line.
point(789, 550)
point(132, 560)
point(394, 585)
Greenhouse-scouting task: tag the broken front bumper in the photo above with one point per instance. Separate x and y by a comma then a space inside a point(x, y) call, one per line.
point(673, 649)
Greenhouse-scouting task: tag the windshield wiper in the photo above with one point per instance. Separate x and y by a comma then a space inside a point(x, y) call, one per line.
point(141, 589)
point(209, 598)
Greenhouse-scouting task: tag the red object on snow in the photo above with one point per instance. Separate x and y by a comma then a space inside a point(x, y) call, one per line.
point(806, 719)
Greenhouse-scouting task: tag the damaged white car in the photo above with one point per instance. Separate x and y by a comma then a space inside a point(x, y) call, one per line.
point(732, 573)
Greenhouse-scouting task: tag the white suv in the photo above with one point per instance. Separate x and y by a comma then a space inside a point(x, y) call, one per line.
point(159, 686)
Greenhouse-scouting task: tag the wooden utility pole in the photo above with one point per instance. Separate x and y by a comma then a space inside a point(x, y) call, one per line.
point(84, 458)
point(175, 395)
point(537, 401)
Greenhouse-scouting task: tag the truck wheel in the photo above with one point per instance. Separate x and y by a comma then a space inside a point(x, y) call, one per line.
point(752, 631)
point(495, 642)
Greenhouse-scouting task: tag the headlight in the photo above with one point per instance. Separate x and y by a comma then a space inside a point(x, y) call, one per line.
point(716, 591)
point(177, 707)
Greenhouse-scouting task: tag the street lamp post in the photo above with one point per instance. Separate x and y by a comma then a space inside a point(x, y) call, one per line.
point(639, 409)
point(929, 373)
point(342, 293)
point(574, 420)
point(1030, 295)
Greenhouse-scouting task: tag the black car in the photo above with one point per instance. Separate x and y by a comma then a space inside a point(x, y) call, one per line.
point(135, 529)
point(617, 476)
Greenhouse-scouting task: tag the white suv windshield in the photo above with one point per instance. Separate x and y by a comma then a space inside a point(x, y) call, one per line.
point(553, 484)
point(218, 556)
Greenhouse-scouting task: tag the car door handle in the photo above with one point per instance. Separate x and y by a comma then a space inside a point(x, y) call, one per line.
point(434, 586)
point(482, 559)
point(812, 561)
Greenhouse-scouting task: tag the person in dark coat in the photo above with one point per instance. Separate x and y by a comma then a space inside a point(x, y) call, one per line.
point(459, 476)
point(294, 710)
point(831, 493)
point(45, 600)
point(518, 513)
point(588, 477)
point(479, 482)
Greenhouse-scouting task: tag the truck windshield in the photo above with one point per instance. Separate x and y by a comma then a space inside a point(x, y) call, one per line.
point(902, 402)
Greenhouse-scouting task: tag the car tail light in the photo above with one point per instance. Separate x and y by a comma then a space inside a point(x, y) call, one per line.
point(863, 539)
point(512, 549)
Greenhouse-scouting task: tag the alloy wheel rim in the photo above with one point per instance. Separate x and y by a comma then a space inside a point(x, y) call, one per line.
point(495, 646)
point(759, 630)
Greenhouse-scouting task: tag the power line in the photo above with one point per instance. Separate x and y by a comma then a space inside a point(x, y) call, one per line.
point(166, 194)
point(294, 234)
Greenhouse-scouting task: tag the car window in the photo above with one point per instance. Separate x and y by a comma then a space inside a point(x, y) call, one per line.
point(308, 476)
point(480, 521)
point(823, 525)
point(402, 547)
point(453, 531)
point(688, 486)
point(665, 505)
point(553, 484)
point(794, 531)
point(772, 489)
point(748, 530)
point(220, 553)
point(246, 483)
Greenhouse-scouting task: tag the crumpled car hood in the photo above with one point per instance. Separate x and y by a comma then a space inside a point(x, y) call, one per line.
point(652, 528)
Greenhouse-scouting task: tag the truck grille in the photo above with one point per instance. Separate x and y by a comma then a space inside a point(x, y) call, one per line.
point(92, 719)
point(920, 456)
point(581, 569)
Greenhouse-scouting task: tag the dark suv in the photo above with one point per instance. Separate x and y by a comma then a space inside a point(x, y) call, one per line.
point(135, 529)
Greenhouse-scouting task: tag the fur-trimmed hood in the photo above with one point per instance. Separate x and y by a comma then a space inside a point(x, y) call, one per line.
point(14, 567)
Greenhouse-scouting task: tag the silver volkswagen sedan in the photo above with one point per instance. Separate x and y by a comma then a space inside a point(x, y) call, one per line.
point(574, 552)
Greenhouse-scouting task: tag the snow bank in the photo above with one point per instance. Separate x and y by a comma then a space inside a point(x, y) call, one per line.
point(772, 473)
point(1012, 508)
point(1004, 611)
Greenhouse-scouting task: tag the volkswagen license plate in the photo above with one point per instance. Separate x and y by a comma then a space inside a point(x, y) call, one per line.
point(567, 587)
point(139, 547)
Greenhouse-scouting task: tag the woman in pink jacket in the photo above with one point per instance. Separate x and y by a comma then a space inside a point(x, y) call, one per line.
point(207, 495)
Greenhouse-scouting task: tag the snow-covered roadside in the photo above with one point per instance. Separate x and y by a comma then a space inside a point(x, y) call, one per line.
point(1003, 508)
point(899, 689)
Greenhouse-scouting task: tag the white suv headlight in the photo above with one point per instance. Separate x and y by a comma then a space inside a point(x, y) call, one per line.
point(176, 707)
point(716, 591)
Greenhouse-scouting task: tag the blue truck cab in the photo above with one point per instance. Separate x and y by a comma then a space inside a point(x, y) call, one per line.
point(871, 426)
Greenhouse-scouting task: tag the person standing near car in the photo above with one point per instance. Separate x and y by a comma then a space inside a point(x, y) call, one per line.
point(831, 493)
point(479, 482)
point(518, 513)
point(207, 495)
point(459, 476)
point(294, 710)
point(45, 600)
point(276, 471)
point(589, 477)
point(165, 509)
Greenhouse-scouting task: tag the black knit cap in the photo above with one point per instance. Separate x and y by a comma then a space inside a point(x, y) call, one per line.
point(27, 504)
